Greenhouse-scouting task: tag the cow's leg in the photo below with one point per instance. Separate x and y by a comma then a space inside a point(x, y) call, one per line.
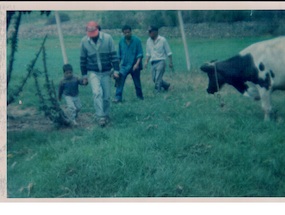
point(252, 92)
point(265, 97)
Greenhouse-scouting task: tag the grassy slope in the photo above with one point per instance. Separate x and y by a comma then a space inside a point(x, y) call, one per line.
point(176, 144)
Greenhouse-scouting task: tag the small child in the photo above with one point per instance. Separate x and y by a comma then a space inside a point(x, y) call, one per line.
point(69, 88)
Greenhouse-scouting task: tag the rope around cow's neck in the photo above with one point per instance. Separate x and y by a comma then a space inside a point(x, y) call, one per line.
point(222, 103)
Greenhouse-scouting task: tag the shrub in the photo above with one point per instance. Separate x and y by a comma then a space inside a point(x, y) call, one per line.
point(63, 18)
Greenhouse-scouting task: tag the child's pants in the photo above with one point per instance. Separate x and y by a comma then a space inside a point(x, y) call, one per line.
point(73, 106)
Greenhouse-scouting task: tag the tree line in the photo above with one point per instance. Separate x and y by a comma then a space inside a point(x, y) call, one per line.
point(168, 18)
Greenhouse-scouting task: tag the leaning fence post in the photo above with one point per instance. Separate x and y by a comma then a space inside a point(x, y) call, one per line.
point(184, 40)
point(57, 18)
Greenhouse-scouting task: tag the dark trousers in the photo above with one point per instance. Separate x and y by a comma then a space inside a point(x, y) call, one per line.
point(137, 82)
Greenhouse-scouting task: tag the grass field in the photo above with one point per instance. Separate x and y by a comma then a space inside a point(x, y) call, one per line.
point(175, 144)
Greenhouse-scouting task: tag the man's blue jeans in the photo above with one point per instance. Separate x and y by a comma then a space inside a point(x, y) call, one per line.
point(137, 82)
point(101, 88)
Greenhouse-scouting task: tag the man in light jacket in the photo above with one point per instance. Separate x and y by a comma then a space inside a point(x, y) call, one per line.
point(157, 51)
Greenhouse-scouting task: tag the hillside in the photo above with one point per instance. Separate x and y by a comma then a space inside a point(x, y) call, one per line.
point(199, 30)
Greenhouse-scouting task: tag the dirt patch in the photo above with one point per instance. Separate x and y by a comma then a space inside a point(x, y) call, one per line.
point(20, 119)
point(26, 119)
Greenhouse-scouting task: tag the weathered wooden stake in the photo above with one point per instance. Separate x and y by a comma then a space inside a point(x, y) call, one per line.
point(57, 18)
point(184, 40)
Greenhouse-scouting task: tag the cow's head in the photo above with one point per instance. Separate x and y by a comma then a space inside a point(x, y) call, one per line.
point(211, 68)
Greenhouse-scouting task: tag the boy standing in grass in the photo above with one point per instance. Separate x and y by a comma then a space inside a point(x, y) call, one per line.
point(69, 88)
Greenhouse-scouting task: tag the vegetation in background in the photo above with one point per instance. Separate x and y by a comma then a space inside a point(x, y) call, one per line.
point(53, 111)
point(167, 18)
point(64, 17)
point(12, 94)
point(13, 42)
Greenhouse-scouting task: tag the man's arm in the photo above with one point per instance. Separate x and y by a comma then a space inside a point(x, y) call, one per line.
point(83, 62)
point(81, 81)
point(147, 55)
point(146, 61)
point(170, 61)
point(139, 55)
point(169, 53)
point(137, 64)
point(113, 55)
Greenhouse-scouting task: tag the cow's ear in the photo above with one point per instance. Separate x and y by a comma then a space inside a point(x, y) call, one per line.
point(207, 67)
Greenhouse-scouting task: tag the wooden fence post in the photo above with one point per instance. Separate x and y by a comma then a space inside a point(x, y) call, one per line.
point(184, 40)
point(57, 18)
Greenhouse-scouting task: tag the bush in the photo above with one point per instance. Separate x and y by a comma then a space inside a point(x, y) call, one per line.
point(161, 18)
point(63, 18)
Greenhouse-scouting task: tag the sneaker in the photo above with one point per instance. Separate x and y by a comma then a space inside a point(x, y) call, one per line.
point(107, 119)
point(166, 87)
point(74, 123)
point(102, 122)
point(155, 91)
point(140, 97)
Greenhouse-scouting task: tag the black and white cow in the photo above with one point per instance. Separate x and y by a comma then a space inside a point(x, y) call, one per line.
point(256, 71)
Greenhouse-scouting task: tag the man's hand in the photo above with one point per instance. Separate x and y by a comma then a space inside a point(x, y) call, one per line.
point(116, 75)
point(85, 81)
point(145, 65)
point(135, 67)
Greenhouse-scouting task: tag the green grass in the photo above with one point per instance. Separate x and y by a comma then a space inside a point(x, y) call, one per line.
point(175, 144)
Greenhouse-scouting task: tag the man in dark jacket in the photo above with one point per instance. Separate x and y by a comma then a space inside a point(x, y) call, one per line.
point(130, 56)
